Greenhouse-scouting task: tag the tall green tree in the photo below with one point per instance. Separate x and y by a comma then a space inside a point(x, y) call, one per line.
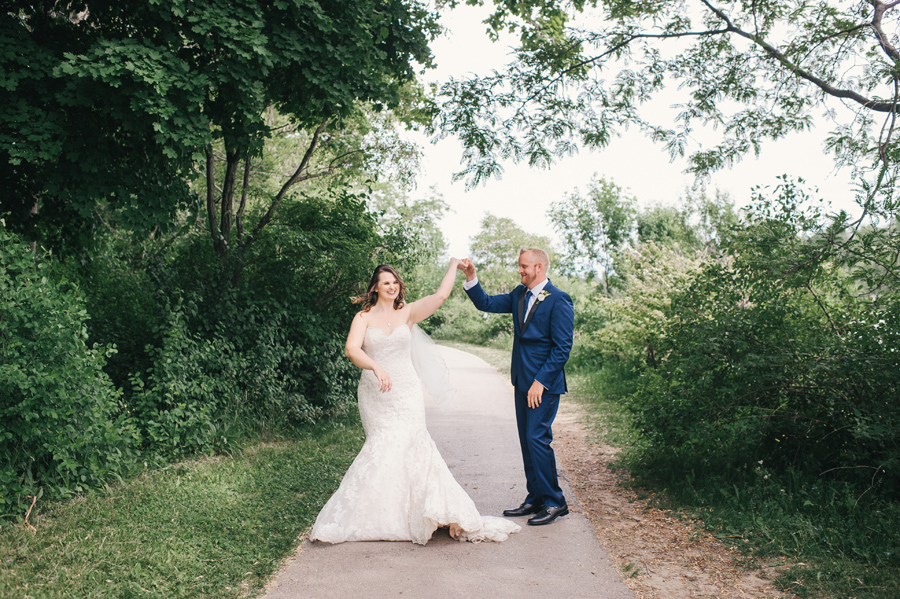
point(110, 106)
point(364, 153)
point(594, 228)
point(411, 223)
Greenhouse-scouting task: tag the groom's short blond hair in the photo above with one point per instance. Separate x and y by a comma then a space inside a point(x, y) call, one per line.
point(540, 255)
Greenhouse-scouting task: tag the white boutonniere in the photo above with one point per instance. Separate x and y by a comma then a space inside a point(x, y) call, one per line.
point(542, 295)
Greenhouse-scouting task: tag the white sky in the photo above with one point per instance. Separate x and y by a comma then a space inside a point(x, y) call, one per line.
point(633, 162)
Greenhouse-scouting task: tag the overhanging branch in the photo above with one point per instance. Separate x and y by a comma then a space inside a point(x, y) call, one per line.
point(772, 51)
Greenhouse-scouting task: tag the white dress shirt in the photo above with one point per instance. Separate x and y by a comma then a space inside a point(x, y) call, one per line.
point(534, 293)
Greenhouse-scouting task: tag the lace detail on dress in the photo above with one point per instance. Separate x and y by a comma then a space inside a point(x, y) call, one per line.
point(399, 487)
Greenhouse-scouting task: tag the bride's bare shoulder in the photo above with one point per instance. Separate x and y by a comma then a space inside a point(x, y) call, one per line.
point(361, 319)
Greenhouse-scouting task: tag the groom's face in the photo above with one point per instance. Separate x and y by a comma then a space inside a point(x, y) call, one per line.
point(530, 270)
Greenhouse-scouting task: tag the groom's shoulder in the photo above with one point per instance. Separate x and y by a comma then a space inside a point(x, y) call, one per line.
point(554, 289)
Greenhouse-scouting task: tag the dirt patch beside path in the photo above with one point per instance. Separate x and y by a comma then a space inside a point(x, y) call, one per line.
point(661, 556)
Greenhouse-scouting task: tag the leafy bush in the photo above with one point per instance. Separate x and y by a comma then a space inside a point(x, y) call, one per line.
point(212, 350)
point(63, 424)
point(258, 343)
point(619, 337)
point(800, 372)
point(178, 406)
point(125, 289)
point(276, 367)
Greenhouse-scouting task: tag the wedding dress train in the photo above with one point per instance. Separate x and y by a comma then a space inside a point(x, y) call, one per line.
point(399, 487)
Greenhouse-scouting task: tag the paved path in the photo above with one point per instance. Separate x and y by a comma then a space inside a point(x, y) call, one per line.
point(477, 437)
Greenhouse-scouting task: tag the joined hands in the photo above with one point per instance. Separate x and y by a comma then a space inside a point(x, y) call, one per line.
point(468, 267)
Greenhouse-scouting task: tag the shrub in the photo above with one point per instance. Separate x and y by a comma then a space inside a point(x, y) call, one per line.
point(125, 297)
point(258, 340)
point(800, 374)
point(63, 424)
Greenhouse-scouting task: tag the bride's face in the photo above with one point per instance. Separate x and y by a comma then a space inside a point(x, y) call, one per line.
point(388, 286)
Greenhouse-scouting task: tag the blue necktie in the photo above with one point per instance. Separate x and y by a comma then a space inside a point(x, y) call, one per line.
point(529, 301)
point(523, 301)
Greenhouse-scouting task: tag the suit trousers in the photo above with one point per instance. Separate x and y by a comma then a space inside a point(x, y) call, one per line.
point(535, 436)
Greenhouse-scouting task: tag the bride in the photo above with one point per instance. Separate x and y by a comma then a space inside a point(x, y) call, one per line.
point(399, 487)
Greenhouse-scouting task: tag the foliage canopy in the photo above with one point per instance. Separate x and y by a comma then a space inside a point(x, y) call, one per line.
point(117, 102)
point(584, 71)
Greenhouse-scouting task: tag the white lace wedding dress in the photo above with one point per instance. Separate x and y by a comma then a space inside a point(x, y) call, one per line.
point(399, 487)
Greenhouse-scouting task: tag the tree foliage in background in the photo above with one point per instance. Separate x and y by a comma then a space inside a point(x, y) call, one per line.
point(756, 71)
point(113, 104)
point(585, 71)
point(746, 346)
point(494, 249)
point(412, 223)
point(593, 229)
point(266, 352)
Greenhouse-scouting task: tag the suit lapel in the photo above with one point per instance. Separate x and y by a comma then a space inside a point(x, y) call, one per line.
point(531, 312)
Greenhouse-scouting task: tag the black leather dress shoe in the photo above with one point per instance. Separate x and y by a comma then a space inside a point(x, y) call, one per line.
point(549, 513)
point(526, 509)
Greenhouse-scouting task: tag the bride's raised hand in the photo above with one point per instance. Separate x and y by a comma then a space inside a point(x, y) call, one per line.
point(384, 380)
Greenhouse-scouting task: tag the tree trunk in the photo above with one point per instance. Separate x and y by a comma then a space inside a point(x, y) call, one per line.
point(214, 231)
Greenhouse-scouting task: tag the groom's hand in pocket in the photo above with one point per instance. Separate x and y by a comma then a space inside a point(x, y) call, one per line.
point(535, 394)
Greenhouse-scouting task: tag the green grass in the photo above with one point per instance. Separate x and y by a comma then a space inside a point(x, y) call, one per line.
point(841, 543)
point(841, 547)
point(210, 527)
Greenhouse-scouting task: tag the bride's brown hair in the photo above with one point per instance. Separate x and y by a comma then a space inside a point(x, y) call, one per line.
point(371, 297)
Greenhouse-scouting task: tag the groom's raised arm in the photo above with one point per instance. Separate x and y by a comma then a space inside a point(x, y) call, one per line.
point(497, 304)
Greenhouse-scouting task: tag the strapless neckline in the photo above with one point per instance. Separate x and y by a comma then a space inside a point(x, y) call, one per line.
point(380, 330)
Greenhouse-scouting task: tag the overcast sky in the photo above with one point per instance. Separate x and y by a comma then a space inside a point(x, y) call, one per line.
point(632, 161)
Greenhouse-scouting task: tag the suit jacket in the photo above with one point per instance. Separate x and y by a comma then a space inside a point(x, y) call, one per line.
point(541, 347)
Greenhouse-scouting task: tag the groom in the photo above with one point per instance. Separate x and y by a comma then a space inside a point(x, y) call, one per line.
point(543, 320)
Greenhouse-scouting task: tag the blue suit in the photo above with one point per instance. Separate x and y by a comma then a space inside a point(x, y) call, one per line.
point(541, 348)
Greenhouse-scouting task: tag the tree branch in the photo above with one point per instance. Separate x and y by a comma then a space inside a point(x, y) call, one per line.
point(628, 38)
point(295, 178)
point(880, 9)
point(768, 48)
point(239, 217)
point(797, 70)
point(883, 139)
point(809, 288)
point(211, 199)
point(232, 157)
